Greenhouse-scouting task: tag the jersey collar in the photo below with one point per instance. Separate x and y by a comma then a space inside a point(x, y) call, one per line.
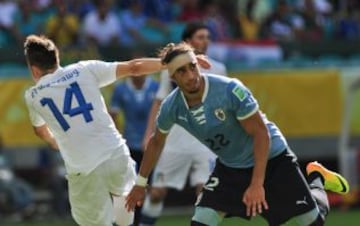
point(44, 77)
point(144, 87)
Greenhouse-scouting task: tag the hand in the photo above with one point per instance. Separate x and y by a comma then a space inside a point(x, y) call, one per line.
point(254, 199)
point(135, 198)
point(203, 61)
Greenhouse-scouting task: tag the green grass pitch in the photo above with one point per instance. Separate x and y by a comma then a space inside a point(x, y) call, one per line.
point(335, 218)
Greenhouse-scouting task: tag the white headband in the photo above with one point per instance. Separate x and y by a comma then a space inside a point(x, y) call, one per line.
point(180, 60)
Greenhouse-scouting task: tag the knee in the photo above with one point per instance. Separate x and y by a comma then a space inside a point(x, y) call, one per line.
point(318, 222)
point(311, 218)
point(205, 217)
point(157, 194)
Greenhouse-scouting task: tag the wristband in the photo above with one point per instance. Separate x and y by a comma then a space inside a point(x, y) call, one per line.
point(141, 181)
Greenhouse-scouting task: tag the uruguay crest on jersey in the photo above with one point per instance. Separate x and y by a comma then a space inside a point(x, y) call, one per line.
point(220, 114)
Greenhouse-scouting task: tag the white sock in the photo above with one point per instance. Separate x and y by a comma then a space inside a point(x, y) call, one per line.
point(152, 209)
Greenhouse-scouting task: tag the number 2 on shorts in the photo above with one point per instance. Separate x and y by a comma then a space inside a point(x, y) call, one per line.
point(212, 183)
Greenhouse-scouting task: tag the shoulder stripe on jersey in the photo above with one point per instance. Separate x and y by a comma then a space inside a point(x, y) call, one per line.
point(249, 114)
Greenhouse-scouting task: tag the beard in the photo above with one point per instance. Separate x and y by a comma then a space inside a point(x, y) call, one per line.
point(194, 91)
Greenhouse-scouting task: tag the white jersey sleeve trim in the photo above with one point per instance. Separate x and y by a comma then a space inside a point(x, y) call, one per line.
point(163, 131)
point(249, 114)
point(206, 91)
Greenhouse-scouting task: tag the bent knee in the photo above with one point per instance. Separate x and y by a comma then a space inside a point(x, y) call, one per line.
point(206, 216)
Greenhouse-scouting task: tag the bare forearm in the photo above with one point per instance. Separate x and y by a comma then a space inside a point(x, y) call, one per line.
point(143, 66)
point(140, 66)
point(151, 120)
point(151, 156)
point(50, 140)
point(147, 66)
point(45, 134)
point(261, 151)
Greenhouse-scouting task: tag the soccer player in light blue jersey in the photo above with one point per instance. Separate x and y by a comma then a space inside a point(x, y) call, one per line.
point(254, 158)
point(184, 158)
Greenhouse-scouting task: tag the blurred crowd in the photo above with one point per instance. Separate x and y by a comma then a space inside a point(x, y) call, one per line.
point(22, 199)
point(128, 22)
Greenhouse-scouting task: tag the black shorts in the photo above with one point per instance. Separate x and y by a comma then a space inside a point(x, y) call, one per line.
point(137, 156)
point(286, 190)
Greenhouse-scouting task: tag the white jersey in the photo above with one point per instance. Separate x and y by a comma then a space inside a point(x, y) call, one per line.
point(177, 135)
point(69, 101)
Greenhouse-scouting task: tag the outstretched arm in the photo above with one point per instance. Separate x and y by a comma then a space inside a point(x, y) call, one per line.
point(144, 66)
point(139, 66)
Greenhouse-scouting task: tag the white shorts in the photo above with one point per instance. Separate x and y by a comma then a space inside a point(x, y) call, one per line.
point(174, 166)
point(90, 195)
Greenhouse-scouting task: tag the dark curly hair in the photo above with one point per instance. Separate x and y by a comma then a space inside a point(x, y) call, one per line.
point(171, 50)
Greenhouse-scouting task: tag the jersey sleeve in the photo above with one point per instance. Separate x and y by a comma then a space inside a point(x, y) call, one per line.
point(217, 68)
point(104, 72)
point(164, 118)
point(165, 85)
point(35, 118)
point(242, 100)
point(220, 69)
point(223, 70)
point(116, 100)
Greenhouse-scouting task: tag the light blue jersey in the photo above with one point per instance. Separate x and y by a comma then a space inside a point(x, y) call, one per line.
point(215, 122)
point(136, 105)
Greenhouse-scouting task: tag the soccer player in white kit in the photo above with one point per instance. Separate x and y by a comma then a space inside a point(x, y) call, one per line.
point(68, 111)
point(183, 155)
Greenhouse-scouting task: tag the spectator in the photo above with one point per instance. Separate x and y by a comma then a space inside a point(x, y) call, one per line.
point(283, 24)
point(349, 28)
point(260, 9)
point(25, 21)
point(216, 23)
point(101, 26)
point(81, 8)
point(137, 26)
point(312, 16)
point(190, 11)
point(165, 11)
point(63, 26)
point(249, 27)
point(41, 5)
point(8, 10)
